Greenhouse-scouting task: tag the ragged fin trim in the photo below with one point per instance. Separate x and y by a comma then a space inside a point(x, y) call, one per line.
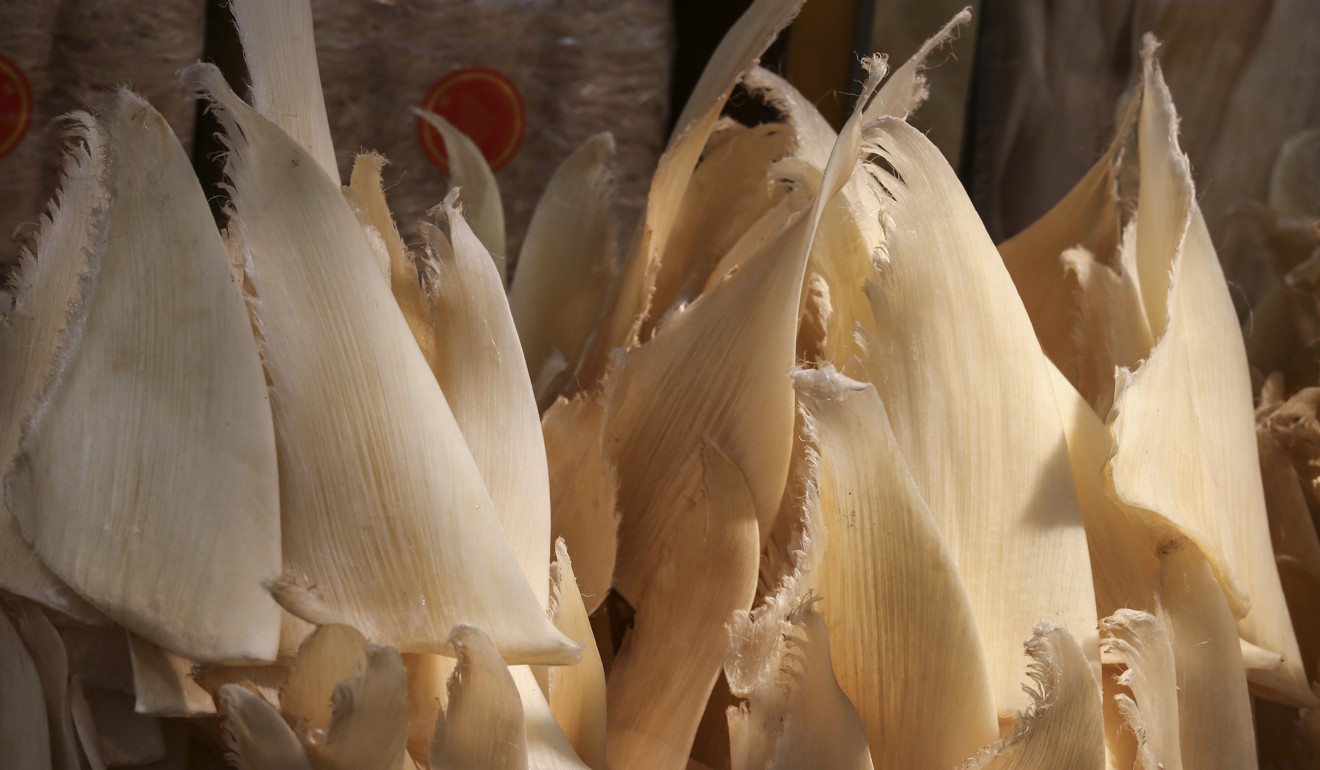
point(255, 735)
point(468, 168)
point(908, 89)
point(1063, 725)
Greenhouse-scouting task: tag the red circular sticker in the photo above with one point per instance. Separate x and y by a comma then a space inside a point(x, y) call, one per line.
point(482, 103)
point(15, 106)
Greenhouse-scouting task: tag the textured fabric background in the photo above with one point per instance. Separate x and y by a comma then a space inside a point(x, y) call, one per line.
point(74, 53)
point(582, 66)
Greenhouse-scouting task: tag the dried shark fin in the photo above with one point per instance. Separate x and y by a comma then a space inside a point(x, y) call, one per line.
point(469, 171)
point(50, 658)
point(1063, 727)
point(583, 489)
point(796, 715)
point(1194, 390)
point(368, 724)
point(163, 684)
point(1141, 643)
point(955, 399)
point(782, 552)
point(483, 726)
point(548, 746)
point(256, 736)
point(84, 725)
point(366, 194)
point(280, 52)
point(1125, 566)
point(428, 694)
point(332, 654)
point(660, 681)
point(24, 726)
point(717, 372)
point(384, 510)
point(702, 416)
point(731, 189)
point(1214, 708)
point(734, 345)
point(566, 264)
point(1123, 550)
point(577, 693)
point(52, 278)
point(738, 52)
point(842, 253)
point(478, 362)
point(1111, 329)
point(903, 638)
point(846, 238)
point(157, 438)
point(802, 183)
point(544, 744)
